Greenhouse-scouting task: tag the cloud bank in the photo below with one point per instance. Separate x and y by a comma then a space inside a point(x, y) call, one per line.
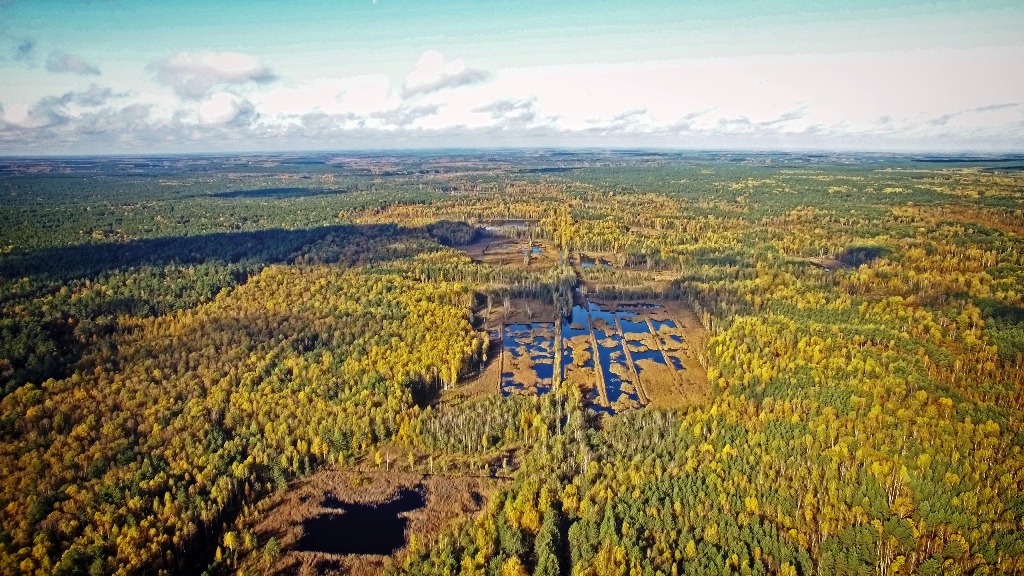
point(193, 75)
point(58, 111)
point(231, 101)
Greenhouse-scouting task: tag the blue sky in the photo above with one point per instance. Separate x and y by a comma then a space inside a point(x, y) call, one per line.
point(154, 76)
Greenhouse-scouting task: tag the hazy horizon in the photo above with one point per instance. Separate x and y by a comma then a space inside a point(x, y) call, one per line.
point(964, 154)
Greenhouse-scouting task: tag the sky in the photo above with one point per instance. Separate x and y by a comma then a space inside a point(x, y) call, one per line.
point(152, 76)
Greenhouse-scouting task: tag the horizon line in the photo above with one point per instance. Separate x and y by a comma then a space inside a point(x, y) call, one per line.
point(929, 152)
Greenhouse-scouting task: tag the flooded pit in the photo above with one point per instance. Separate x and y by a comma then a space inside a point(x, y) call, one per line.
point(632, 325)
point(660, 325)
point(639, 349)
point(530, 366)
point(648, 354)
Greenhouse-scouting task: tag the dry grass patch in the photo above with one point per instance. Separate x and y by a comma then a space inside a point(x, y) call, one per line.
point(660, 385)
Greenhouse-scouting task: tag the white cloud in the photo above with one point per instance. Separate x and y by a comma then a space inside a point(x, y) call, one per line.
point(22, 116)
point(224, 108)
point(433, 74)
point(195, 74)
point(318, 94)
point(64, 63)
point(973, 113)
point(406, 116)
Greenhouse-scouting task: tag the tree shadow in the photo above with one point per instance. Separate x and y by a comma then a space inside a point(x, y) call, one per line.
point(856, 255)
point(51, 335)
point(245, 250)
point(424, 394)
point(1001, 313)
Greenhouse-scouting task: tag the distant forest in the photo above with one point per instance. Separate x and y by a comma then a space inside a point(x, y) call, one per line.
point(183, 338)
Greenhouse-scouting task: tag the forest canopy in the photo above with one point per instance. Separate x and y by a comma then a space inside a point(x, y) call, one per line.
point(178, 346)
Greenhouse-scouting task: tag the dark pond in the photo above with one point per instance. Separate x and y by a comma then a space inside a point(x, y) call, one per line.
point(612, 382)
point(579, 319)
point(588, 262)
point(631, 324)
point(647, 355)
point(658, 324)
point(544, 370)
point(524, 340)
point(360, 528)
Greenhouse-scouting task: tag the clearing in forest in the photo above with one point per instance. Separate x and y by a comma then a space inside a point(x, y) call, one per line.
point(352, 522)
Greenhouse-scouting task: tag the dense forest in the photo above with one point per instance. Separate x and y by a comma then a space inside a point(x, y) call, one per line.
point(181, 339)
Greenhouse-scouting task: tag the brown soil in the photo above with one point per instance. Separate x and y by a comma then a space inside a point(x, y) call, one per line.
point(522, 372)
point(828, 263)
point(622, 371)
point(502, 251)
point(600, 324)
point(482, 384)
point(624, 403)
point(580, 346)
point(448, 500)
point(584, 379)
point(694, 376)
point(639, 346)
point(576, 374)
point(521, 311)
point(660, 385)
